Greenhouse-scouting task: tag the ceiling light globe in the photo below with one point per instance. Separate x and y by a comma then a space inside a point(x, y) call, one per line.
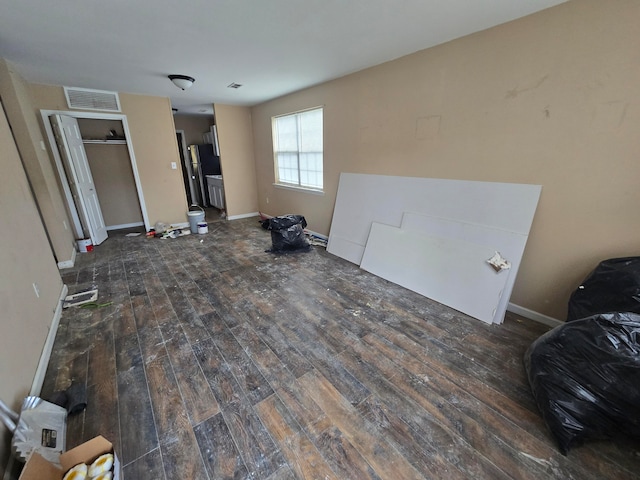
point(182, 81)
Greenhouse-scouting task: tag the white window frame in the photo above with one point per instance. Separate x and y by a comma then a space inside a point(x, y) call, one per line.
point(299, 185)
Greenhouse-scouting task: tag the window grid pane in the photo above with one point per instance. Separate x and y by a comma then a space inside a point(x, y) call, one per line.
point(297, 143)
point(288, 167)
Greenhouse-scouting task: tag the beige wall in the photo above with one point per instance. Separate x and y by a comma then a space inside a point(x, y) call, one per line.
point(24, 123)
point(111, 169)
point(154, 140)
point(550, 99)
point(154, 143)
point(236, 159)
point(26, 258)
point(194, 126)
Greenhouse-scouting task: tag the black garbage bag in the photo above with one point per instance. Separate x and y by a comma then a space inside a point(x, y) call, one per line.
point(585, 377)
point(287, 233)
point(614, 286)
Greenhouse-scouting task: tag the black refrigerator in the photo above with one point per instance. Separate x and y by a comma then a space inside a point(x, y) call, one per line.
point(203, 162)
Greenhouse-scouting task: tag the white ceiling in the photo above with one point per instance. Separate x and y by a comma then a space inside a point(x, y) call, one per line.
point(271, 47)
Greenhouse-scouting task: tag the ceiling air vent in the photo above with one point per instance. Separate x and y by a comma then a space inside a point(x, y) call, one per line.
point(87, 99)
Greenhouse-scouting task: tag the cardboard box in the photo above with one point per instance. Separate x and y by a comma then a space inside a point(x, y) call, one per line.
point(38, 468)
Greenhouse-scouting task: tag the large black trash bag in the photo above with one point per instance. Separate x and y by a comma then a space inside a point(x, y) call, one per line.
point(614, 286)
point(287, 233)
point(585, 377)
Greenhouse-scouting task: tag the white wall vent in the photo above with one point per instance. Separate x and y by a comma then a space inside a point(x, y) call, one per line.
point(88, 99)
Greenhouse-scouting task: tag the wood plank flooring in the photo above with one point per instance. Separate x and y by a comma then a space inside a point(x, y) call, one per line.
point(216, 360)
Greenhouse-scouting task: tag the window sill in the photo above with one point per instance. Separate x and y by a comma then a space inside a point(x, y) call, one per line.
point(298, 189)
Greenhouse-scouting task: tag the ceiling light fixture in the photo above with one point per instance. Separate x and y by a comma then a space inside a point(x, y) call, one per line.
point(182, 81)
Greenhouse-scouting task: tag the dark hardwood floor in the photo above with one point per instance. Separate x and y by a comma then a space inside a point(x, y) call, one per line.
point(217, 360)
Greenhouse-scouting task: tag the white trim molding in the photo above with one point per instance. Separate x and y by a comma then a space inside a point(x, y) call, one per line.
point(69, 263)
point(316, 234)
point(243, 215)
point(125, 225)
point(58, 161)
point(38, 378)
point(535, 316)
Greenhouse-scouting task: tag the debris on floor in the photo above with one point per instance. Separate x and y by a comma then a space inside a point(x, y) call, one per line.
point(584, 377)
point(287, 233)
point(40, 427)
point(175, 233)
point(96, 305)
point(168, 232)
point(73, 399)
point(133, 234)
point(160, 227)
point(80, 298)
point(613, 286)
point(316, 240)
point(85, 245)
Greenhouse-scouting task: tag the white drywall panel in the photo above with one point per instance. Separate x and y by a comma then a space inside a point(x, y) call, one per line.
point(346, 249)
point(509, 244)
point(450, 271)
point(363, 199)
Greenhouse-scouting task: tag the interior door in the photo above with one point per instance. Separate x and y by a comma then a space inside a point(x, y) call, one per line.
point(197, 187)
point(79, 175)
point(185, 165)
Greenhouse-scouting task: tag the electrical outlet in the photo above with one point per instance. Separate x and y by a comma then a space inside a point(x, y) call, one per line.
point(64, 222)
point(43, 146)
point(174, 166)
point(267, 200)
point(36, 289)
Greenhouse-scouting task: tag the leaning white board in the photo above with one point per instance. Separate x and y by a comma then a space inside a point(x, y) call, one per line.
point(496, 215)
point(363, 199)
point(449, 271)
point(510, 245)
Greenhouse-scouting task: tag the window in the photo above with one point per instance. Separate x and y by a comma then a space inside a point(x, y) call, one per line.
point(297, 149)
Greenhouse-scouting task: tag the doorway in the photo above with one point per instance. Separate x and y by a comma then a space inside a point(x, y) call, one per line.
point(110, 161)
point(194, 132)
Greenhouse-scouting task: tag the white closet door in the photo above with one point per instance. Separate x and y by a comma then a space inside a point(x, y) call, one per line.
point(80, 178)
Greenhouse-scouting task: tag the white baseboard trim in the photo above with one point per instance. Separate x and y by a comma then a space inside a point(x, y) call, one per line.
point(69, 263)
point(125, 225)
point(535, 316)
point(316, 234)
point(244, 215)
point(65, 264)
point(38, 378)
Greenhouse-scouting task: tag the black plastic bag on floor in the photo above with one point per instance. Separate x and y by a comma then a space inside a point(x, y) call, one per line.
point(585, 377)
point(614, 286)
point(287, 233)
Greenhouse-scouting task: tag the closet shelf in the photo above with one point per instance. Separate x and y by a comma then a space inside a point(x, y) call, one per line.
point(104, 142)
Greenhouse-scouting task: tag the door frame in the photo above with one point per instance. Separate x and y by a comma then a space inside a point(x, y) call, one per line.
point(63, 177)
point(186, 162)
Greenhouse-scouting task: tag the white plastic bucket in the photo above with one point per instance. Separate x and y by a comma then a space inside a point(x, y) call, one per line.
point(203, 228)
point(85, 245)
point(195, 217)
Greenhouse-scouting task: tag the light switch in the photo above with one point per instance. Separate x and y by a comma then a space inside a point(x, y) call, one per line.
point(174, 166)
